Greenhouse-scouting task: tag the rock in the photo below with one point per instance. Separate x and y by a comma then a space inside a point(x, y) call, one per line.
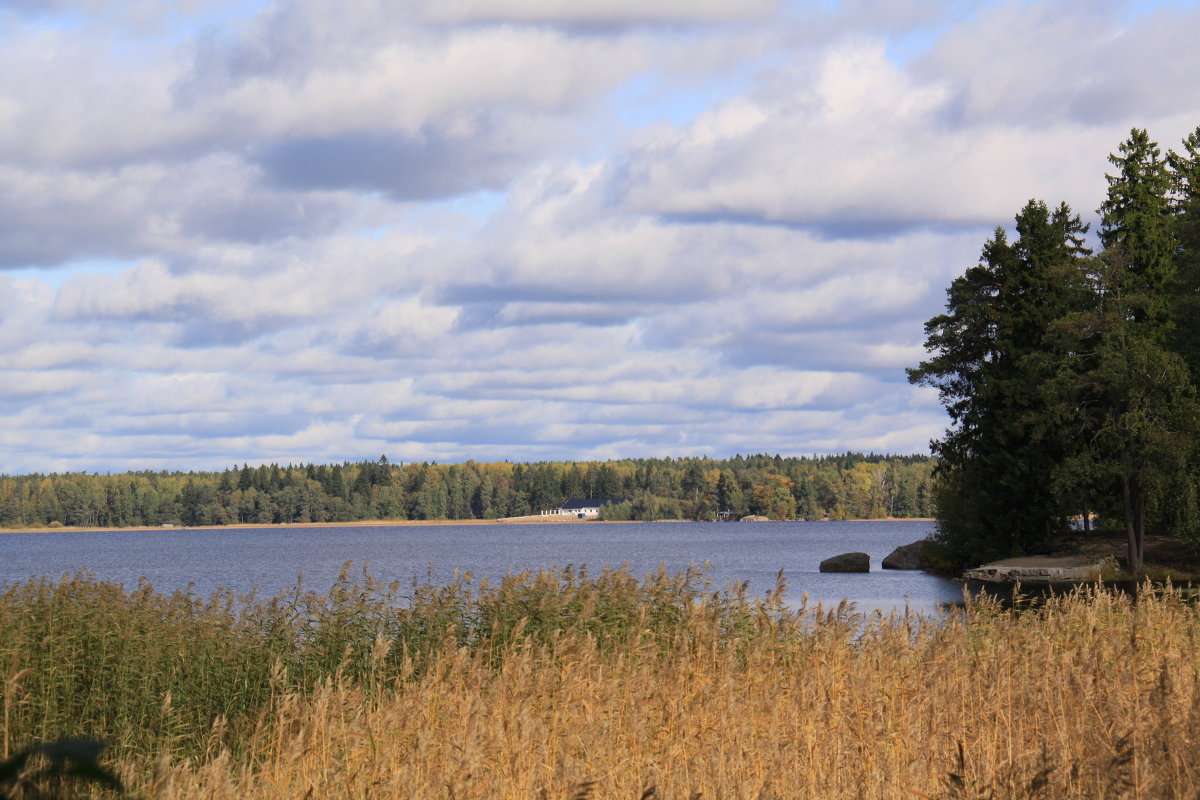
point(908, 556)
point(755, 518)
point(847, 562)
point(1043, 569)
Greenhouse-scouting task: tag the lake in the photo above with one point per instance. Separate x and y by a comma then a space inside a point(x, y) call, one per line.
point(271, 559)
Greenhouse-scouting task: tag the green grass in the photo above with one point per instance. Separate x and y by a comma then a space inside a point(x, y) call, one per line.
point(147, 671)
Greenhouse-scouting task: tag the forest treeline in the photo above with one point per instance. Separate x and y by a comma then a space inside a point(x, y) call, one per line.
point(1071, 375)
point(849, 486)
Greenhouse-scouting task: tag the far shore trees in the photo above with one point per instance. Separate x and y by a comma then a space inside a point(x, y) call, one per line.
point(843, 486)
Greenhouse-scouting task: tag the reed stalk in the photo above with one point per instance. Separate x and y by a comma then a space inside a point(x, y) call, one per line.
point(570, 684)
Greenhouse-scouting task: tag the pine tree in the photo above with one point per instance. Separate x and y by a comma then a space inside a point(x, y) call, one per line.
point(992, 353)
point(729, 493)
point(1143, 403)
point(1185, 286)
point(1136, 219)
point(1138, 406)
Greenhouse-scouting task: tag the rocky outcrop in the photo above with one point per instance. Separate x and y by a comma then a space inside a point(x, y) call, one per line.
point(755, 518)
point(847, 562)
point(908, 556)
point(1043, 569)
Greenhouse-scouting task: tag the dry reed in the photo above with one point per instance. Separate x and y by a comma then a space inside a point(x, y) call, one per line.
point(562, 686)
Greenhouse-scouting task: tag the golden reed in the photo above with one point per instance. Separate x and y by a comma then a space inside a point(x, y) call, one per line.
point(1091, 695)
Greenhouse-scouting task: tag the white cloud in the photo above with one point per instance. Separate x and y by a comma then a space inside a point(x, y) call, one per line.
point(30, 383)
point(429, 229)
point(858, 147)
point(1106, 69)
point(51, 215)
point(609, 12)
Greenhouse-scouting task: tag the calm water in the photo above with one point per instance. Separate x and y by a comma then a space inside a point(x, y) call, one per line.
point(271, 559)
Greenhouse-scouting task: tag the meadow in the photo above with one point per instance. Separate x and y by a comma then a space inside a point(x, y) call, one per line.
point(567, 684)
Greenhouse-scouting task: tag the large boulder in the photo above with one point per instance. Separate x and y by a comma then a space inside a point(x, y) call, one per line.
point(847, 562)
point(755, 518)
point(908, 556)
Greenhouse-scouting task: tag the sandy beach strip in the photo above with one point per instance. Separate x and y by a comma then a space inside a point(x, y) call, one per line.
point(556, 519)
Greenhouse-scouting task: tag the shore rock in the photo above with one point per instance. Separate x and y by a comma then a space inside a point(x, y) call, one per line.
point(908, 556)
point(847, 562)
point(1042, 569)
point(754, 518)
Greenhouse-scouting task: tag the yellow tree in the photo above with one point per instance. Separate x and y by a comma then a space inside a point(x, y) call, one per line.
point(774, 498)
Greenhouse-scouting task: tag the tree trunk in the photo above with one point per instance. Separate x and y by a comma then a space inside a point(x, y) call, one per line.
point(1087, 516)
point(1134, 550)
point(1139, 508)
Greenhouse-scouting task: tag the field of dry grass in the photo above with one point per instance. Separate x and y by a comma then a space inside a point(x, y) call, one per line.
point(568, 686)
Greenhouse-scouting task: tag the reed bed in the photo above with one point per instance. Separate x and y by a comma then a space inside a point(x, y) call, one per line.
point(146, 670)
point(565, 685)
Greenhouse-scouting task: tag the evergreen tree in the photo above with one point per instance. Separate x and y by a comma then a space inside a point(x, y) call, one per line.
point(337, 483)
point(1139, 407)
point(729, 493)
point(1070, 381)
point(1142, 405)
point(991, 355)
point(1185, 287)
point(1136, 219)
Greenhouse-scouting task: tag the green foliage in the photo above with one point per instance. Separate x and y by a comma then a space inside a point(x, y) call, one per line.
point(1069, 389)
point(189, 675)
point(1185, 288)
point(1136, 404)
point(991, 356)
point(617, 512)
point(849, 485)
point(1136, 218)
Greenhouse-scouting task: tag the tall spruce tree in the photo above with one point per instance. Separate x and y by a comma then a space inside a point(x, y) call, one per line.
point(1134, 393)
point(1136, 219)
point(989, 363)
point(1139, 415)
point(1184, 336)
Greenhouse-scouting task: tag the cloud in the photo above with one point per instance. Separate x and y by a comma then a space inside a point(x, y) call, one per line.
point(66, 102)
point(856, 148)
point(313, 231)
point(145, 17)
point(304, 71)
point(408, 168)
point(49, 216)
point(401, 326)
point(1107, 69)
point(599, 12)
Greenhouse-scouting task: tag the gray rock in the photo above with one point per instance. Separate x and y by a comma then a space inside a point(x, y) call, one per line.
point(847, 562)
point(1043, 569)
point(754, 518)
point(907, 556)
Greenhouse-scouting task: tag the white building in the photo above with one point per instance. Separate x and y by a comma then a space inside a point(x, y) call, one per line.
point(583, 508)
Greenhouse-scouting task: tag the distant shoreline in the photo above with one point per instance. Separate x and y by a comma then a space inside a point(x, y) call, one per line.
point(533, 519)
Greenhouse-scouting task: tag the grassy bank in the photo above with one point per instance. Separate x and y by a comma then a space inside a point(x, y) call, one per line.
point(568, 685)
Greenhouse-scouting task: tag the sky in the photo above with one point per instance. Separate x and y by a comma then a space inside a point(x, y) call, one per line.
point(301, 231)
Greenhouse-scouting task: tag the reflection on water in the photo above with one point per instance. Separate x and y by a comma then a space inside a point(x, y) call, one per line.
point(271, 559)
